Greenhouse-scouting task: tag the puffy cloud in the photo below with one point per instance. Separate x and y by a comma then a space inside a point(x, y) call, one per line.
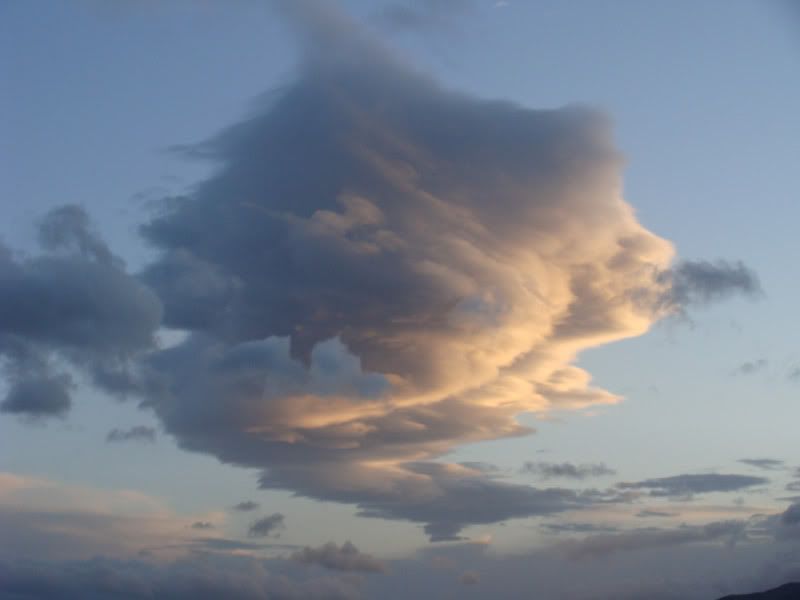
point(246, 506)
point(340, 558)
point(37, 397)
point(432, 280)
point(138, 433)
point(566, 470)
point(378, 270)
point(690, 484)
point(73, 304)
point(267, 526)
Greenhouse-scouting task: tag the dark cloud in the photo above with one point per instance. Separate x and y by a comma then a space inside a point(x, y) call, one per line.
point(202, 525)
point(38, 397)
point(138, 433)
point(688, 485)
point(701, 282)
point(246, 506)
point(201, 578)
point(267, 526)
point(73, 305)
point(579, 528)
point(604, 544)
point(768, 464)
point(340, 558)
point(750, 367)
point(566, 470)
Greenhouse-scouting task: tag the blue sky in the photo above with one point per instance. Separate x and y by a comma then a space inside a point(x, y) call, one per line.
point(99, 98)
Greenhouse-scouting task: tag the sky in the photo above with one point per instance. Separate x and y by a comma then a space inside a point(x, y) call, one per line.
point(452, 298)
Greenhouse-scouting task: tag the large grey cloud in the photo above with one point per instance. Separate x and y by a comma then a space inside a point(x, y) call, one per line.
point(74, 305)
point(381, 269)
point(687, 485)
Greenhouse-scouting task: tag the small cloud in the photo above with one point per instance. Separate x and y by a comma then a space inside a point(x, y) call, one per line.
point(644, 514)
point(267, 526)
point(245, 506)
point(566, 470)
point(687, 485)
point(750, 367)
point(340, 558)
point(469, 578)
point(139, 433)
point(202, 525)
point(768, 464)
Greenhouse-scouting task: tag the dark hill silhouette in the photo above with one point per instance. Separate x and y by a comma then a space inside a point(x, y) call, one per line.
point(788, 591)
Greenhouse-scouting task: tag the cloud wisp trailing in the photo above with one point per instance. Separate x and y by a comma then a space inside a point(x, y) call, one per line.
point(689, 485)
point(566, 470)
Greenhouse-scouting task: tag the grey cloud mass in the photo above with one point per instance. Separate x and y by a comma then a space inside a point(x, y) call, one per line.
point(396, 269)
point(750, 367)
point(566, 470)
point(689, 485)
point(72, 305)
point(339, 558)
point(138, 433)
point(701, 282)
point(246, 506)
point(267, 526)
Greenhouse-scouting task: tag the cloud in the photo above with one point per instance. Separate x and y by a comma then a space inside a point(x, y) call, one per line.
point(646, 513)
point(395, 269)
point(750, 367)
point(138, 433)
point(72, 305)
point(566, 470)
point(340, 558)
point(689, 485)
point(605, 544)
point(39, 397)
point(202, 525)
point(701, 282)
point(246, 506)
point(197, 578)
point(768, 464)
point(267, 526)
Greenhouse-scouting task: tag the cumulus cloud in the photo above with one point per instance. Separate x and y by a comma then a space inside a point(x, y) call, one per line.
point(138, 433)
point(690, 484)
point(73, 304)
point(379, 270)
point(246, 506)
point(267, 526)
point(566, 470)
point(340, 558)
